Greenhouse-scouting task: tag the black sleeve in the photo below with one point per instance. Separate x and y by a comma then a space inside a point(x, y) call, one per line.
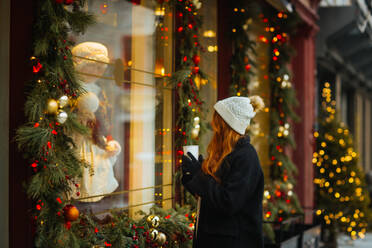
point(229, 197)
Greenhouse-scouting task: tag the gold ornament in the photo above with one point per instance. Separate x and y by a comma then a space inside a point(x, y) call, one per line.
point(193, 215)
point(63, 101)
point(153, 220)
point(194, 133)
point(161, 239)
point(153, 234)
point(71, 213)
point(52, 106)
point(290, 186)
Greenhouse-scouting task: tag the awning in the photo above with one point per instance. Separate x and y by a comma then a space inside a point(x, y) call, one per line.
point(350, 47)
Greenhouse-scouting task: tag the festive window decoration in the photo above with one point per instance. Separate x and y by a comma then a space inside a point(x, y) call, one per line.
point(188, 73)
point(280, 201)
point(47, 143)
point(243, 48)
point(342, 196)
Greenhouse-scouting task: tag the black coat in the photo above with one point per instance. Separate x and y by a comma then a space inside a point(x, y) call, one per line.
point(231, 211)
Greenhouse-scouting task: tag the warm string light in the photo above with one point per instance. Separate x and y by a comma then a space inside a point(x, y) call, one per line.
point(335, 174)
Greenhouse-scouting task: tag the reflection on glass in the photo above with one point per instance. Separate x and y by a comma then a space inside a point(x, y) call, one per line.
point(99, 150)
point(208, 89)
point(122, 62)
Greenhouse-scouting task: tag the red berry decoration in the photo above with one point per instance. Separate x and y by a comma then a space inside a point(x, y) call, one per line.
point(68, 2)
point(196, 59)
point(195, 70)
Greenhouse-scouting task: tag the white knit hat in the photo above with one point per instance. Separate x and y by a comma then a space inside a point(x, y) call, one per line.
point(236, 111)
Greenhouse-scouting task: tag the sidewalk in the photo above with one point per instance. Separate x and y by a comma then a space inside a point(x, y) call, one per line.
point(346, 242)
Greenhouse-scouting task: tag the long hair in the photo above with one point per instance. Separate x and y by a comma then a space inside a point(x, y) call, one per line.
point(223, 141)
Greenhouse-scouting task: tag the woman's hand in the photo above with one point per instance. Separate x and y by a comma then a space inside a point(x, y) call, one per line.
point(190, 165)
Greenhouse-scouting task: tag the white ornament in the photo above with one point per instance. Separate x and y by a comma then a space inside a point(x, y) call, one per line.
point(194, 133)
point(197, 4)
point(286, 77)
point(62, 117)
point(286, 126)
point(196, 120)
point(290, 193)
point(63, 101)
point(161, 239)
point(285, 133)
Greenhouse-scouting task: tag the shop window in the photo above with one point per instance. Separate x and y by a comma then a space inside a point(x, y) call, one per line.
point(208, 88)
point(123, 62)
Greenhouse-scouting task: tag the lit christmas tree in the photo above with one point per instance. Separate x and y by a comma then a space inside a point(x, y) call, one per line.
point(342, 198)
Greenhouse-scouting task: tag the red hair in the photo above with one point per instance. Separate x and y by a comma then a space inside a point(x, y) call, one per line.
point(223, 141)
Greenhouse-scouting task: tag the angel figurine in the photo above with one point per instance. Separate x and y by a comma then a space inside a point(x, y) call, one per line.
point(98, 150)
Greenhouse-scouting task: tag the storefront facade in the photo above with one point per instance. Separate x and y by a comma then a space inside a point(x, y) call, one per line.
point(137, 49)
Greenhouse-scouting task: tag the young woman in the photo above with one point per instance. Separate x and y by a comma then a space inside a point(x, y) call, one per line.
point(230, 181)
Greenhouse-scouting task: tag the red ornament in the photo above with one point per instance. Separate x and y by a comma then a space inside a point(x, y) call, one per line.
point(71, 212)
point(196, 59)
point(68, 225)
point(37, 124)
point(36, 68)
point(68, 2)
point(195, 70)
point(247, 67)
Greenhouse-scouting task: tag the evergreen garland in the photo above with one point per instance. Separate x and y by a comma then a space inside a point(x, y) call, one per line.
point(190, 112)
point(280, 200)
point(243, 48)
point(48, 146)
point(45, 140)
point(341, 194)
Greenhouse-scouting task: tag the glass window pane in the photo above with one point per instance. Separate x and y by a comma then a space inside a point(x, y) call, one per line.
point(123, 61)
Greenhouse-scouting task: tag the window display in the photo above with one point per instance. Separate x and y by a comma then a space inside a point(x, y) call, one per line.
point(123, 62)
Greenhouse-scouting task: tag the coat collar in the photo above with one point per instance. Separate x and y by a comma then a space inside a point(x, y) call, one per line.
point(243, 141)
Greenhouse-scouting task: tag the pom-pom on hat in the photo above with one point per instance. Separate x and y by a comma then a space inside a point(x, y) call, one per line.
point(238, 111)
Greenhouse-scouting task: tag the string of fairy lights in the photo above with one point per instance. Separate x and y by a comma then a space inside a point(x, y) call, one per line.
point(280, 201)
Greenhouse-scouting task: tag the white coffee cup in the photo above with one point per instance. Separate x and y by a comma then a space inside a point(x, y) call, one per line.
point(194, 150)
